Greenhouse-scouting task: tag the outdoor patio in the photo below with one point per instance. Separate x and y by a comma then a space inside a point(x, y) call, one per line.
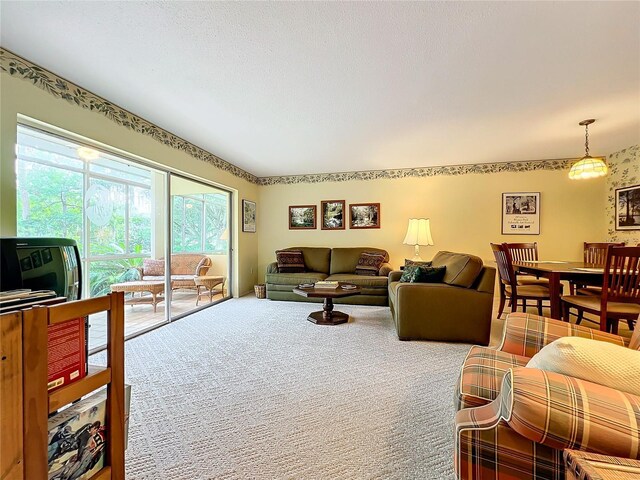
point(141, 317)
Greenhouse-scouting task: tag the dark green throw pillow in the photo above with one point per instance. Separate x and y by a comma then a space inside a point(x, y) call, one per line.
point(422, 274)
point(411, 274)
point(432, 274)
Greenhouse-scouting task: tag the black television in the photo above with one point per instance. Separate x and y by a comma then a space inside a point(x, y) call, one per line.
point(39, 263)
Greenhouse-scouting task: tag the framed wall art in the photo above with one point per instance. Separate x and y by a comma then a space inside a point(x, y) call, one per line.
point(628, 208)
point(332, 214)
point(364, 215)
point(248, 216)
point(521, 213)
point(302, 217)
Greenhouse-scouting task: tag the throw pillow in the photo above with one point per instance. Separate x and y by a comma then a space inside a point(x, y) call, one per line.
point(152, 268)
point(290, 261)
point(422, 274)
point(408, 263)
point(598, 362)
point(369, 263)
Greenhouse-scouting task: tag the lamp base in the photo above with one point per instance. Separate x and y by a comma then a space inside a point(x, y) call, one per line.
point(416, 254)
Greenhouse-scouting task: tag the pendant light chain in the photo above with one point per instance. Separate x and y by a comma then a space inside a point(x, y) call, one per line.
point(586, 140)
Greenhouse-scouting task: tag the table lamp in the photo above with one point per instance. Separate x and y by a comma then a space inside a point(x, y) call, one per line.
point(418, 233)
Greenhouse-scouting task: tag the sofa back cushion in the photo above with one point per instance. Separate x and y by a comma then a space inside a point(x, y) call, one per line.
point(290, 261)
point(462, 269)
point(152, 267)
point(189, 264)
point(316, 259)
point(345, 260)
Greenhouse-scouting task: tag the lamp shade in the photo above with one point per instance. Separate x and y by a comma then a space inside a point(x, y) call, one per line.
point(588, 167)
point(418, 232)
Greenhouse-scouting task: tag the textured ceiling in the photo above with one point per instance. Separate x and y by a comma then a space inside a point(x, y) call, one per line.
point(308, 87)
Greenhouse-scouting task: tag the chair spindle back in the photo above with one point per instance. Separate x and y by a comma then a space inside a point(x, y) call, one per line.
point(523, 252)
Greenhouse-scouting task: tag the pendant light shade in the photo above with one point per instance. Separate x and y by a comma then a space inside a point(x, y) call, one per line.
point(588, 166)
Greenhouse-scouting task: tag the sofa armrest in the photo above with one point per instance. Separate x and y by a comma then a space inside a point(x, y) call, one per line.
point(385, 270)
point(272, 267)
point(525, 334)
point(394, 276)
point(565, 412)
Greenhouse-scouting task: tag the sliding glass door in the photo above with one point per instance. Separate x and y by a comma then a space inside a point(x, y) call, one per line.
point(118, 210)
point(200, 244)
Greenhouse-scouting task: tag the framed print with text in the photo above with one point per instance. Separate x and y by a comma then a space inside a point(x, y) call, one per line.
point(521, 213)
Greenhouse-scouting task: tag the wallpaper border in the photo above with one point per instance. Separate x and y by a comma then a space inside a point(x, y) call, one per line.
point(59, 87)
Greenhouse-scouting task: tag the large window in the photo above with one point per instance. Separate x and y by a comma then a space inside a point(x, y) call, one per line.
point(59, 180)
point(200, 223)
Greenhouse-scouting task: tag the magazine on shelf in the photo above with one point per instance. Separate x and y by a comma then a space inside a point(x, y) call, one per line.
point(77, 438)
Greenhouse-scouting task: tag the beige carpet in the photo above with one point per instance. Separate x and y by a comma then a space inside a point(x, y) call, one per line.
point(250, 389)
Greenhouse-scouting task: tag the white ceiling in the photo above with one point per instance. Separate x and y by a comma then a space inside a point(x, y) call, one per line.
point(308, 87)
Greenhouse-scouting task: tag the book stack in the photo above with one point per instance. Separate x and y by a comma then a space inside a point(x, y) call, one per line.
point(327, 285)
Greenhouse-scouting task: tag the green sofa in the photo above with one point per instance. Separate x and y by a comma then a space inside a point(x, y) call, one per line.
point(457, 310)
point(323, 263)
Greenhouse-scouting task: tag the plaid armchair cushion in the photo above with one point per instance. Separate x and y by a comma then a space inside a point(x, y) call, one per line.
point(525, 334)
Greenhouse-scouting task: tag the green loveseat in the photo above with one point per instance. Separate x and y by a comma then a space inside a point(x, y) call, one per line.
point(323, 263)
point(457, 310)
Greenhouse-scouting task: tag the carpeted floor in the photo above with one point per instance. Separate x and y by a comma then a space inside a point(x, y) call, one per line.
point(250, 389)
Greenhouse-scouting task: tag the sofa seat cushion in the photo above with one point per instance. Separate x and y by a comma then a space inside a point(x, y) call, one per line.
point(481, 376)
point(360, 280)
point(153, 278)
point(462, 269)
point(183, 278)
point(294, 278)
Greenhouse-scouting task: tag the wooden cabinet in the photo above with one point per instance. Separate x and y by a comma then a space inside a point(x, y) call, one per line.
point(25, 402)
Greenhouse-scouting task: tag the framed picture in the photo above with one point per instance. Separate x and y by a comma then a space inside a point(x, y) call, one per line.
point(332, 214)
point(248, 216)
point(628, 208)
point(46, 255)
point(302, 217)
point(521, 213)
point(364, 215)
point(36, 259)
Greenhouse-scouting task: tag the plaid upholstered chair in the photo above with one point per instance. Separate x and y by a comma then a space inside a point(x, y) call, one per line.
point(514, 422)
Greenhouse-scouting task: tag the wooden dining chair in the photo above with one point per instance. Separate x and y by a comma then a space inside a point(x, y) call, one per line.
point(509, 286)
point(596, 255)
point(526, 252)
point(620, 296)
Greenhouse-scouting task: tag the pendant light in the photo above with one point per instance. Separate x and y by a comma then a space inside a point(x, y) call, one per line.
point(588, 166)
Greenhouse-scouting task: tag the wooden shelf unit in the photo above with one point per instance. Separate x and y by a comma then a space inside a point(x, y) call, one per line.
point(25, 402)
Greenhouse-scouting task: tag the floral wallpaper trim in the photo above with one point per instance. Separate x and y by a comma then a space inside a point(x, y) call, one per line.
point(624, 171)
point(561, 164)
point(17, 66)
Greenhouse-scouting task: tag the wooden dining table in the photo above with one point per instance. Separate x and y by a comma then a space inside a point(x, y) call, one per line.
point(556, 271)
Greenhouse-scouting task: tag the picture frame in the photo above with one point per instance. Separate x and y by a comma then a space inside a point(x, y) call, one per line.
point(248, 216)
point(47, 257)
point(302, 217)
point(628, 208)
point(333, 214)
point(364, 215)
point(521, 213)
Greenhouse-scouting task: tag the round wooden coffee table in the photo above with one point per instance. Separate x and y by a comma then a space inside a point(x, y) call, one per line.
point(327, 316)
